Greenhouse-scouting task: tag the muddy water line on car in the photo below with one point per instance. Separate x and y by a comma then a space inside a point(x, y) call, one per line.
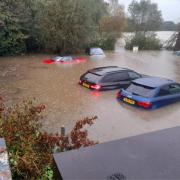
point(57, 86)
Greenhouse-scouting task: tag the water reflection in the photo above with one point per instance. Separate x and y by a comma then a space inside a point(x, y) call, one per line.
point(57, 86)
point(97, 57)
point(95, 94)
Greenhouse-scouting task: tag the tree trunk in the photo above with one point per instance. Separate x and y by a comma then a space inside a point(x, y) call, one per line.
point(177, 46)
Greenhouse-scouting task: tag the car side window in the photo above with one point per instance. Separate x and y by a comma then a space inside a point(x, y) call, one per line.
point(121, 77)
point(164, 91)
point(174, 88)
point(133, 75)
point(116, 77)
point(107, 78)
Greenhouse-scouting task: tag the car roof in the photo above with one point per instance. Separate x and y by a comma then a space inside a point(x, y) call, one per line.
point(96, 51)
point(67, 57)
point(56, 57)
point(95, 48)
point(153, 81)
point(106, 70)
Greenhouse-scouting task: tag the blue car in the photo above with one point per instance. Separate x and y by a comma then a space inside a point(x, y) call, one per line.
point(177, 53)
point(150, 93)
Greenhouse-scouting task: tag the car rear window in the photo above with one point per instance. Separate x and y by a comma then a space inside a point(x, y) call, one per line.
point(141, 90)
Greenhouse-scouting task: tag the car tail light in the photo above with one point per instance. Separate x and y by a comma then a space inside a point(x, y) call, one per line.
point(118, 95)
point(96, 86)
point(80, 82)
point(48, 61)
point(144, 104)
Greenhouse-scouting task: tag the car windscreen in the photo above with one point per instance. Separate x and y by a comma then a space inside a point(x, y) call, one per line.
point(91, 77)
point(96, 51)
point(138, 89)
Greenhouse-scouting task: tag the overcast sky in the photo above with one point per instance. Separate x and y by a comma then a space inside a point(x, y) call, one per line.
point(170, 8)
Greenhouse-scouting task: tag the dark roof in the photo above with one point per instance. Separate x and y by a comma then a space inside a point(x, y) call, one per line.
point(148, 156)
point(153, 81)
point(105, 70)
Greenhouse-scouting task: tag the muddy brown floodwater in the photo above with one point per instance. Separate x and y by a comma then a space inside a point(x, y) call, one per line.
point(57, 86)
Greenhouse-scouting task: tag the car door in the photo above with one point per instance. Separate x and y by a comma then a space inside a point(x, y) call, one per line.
point(168, 94)
point(174, 90)
point(116, 80)
point(123, 80)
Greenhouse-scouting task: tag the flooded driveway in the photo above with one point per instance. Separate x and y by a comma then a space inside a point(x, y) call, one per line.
point(56, 85)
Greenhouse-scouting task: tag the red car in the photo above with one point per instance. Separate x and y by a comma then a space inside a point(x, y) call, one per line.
point(64, 60)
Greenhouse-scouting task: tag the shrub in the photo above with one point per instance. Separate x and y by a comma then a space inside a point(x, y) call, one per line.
point(12, 38)
point(106, 42)
point(149, 42)
point(30, 150)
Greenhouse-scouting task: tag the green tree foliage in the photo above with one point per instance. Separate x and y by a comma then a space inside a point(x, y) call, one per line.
point(144, 16)
point(69, 25)
point(148, 42)
point(12, 36)
point(114, 22)
point(18, 33)
point(111, 26)
point(168, 26)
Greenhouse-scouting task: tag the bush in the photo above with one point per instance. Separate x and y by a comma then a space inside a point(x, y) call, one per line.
point(12, 38)
point(30, 150)
point(149, 42)
point(105, 42)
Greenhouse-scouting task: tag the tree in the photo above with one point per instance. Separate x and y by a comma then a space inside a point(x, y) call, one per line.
point(68, 25)
point(16, 26)
point(114, 22)
point(169, 26)
point(111, 26)
point(148, 42)
point(55, 25)
point(12, 36)
point(145, 16)
point(178, 26)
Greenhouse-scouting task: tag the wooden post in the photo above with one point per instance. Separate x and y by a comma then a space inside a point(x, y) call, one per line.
point(62, 131)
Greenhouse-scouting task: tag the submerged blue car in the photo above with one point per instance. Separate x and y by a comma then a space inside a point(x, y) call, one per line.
point(150, 93)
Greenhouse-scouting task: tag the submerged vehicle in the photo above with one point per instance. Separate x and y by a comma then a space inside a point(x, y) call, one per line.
point(150, 93)
point(108, 78)
point(95, 51)
point(177, 53)
point(64, 59)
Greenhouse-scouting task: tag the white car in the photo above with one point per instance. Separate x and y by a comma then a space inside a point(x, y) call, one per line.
point(63, 58)
point(96, 51)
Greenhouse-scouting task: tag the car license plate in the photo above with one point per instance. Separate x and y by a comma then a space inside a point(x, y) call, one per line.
point(129, 101)
point(86, 85)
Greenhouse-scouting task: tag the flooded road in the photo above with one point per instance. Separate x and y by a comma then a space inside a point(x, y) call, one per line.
point(56, 86)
